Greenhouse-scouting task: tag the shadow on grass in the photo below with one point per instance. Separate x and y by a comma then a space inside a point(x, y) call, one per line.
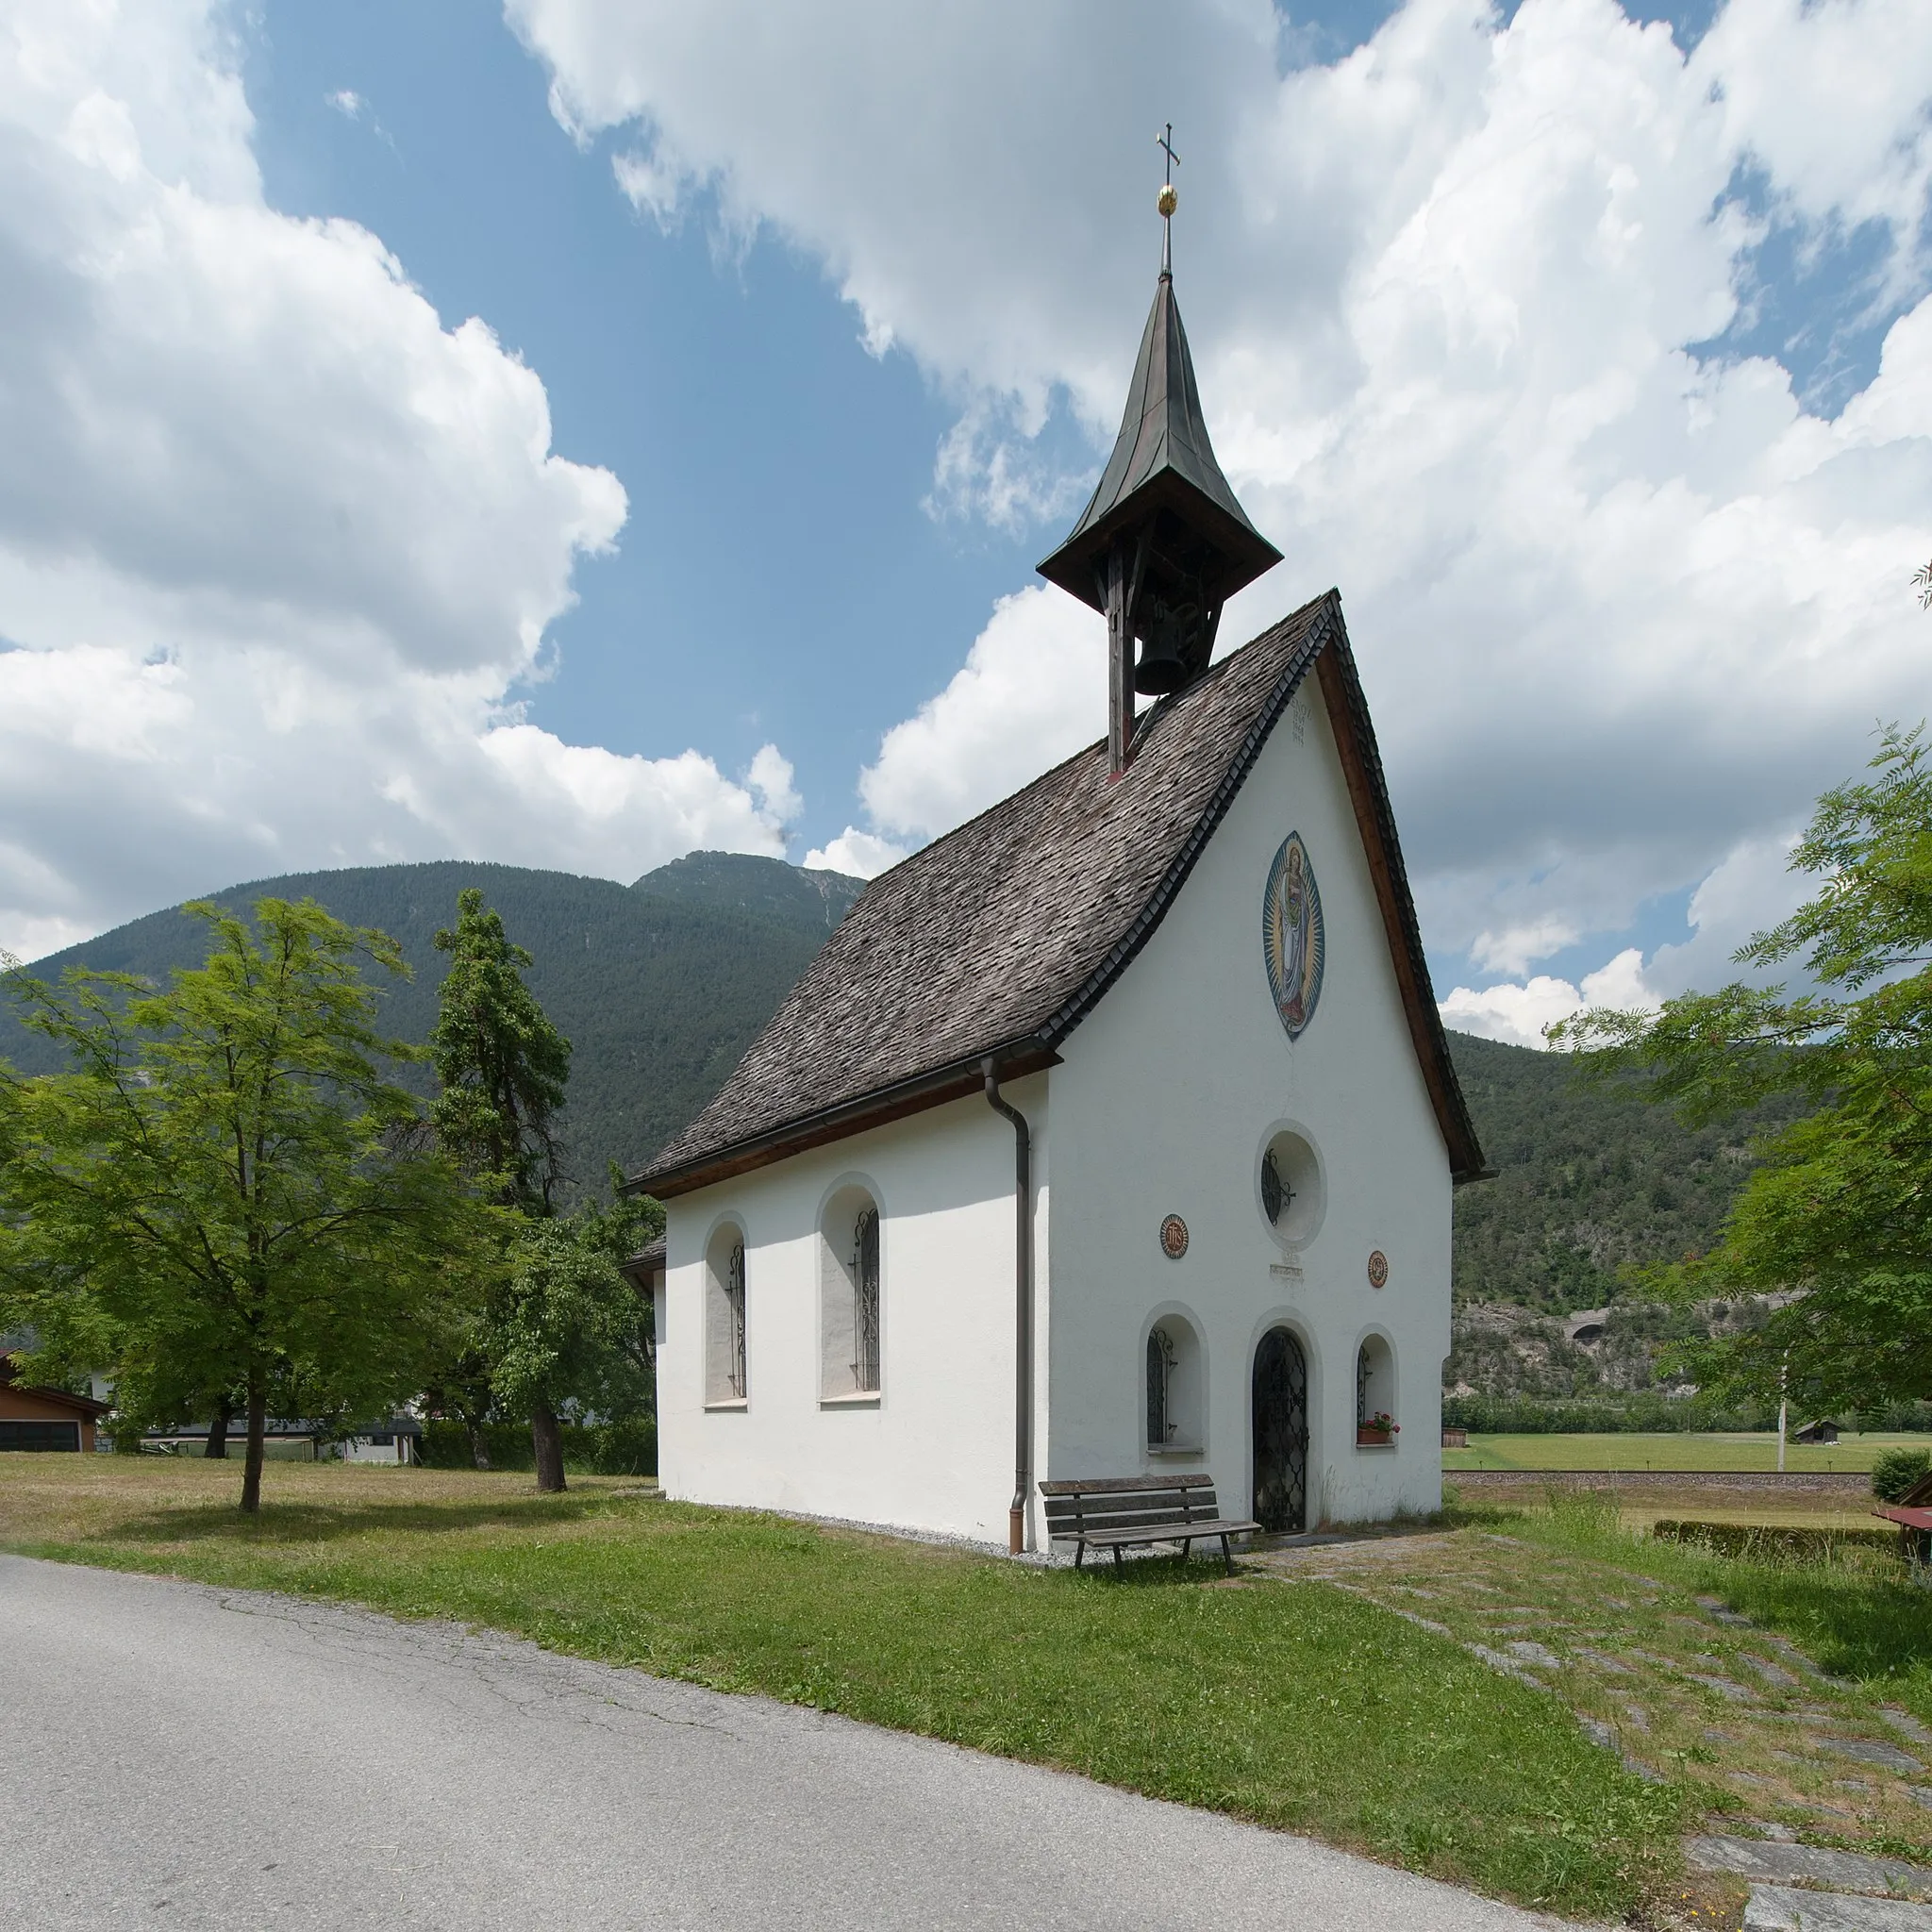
point(1161, 1571)
point(308, 1522)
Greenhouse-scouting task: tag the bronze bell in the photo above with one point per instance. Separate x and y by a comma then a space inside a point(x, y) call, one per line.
point(1162, 667)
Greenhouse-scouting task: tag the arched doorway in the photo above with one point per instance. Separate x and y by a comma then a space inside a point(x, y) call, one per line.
point(1281, 1433)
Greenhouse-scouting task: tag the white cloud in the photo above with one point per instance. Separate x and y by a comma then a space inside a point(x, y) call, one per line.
point(275, 544)
point(346, 102)
point(1522, 1014)
point(1518, 1014)
point(1519, 946)
point(1620, 611)
point(1753, 890)
point(857, 854)
point(1033, 690)
point(771, 779)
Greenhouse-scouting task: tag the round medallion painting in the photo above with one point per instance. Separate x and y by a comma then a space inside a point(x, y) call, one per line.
point(1292, 935)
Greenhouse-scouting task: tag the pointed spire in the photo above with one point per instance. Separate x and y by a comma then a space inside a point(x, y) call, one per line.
point(1163, 541)
point(1164, 460)
point(1164, 466)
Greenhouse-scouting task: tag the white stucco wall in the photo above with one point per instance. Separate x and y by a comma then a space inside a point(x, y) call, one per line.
point(936, 1451)
point(1164, 1101)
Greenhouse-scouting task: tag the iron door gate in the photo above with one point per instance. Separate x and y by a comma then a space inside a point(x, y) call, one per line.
point(1281, 1433)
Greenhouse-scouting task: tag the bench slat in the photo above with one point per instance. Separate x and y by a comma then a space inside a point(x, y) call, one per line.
point(1194, 1503)
point(1172, 1533)
point(1189, 1503)
point(1106, 1485)
point(1129, 1518)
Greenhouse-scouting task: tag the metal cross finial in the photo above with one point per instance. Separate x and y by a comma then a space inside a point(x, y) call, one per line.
point(1169, 199)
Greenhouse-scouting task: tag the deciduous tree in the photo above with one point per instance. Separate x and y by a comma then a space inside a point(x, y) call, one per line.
point(1836, 1223)
point(229, 1191)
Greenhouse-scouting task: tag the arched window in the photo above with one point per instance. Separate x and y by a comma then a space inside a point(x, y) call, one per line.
point(1172, 1389)
point(724, 1318)
point(1374, 1392)
point(1159, 1381)
point(849, 1289)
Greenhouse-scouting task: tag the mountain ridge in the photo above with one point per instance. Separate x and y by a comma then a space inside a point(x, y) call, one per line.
point(661, 985)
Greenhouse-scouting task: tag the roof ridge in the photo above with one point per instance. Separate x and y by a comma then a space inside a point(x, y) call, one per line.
point(1000, 937)
point(1317, 635)
point(1213, 674)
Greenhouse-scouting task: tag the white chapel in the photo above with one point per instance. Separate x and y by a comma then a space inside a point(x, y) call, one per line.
point(1113, 1133)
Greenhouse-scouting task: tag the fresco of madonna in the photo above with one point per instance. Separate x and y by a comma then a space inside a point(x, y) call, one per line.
point(1291, 940)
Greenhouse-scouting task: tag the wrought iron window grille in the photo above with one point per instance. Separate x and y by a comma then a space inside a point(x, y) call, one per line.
point(1160, 1361)
point(865, 1302)
point(1277, 1197)
point(734, 1302)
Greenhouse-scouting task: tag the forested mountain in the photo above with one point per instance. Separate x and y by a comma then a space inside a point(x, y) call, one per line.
point(660, 985)
point(1588, 1178)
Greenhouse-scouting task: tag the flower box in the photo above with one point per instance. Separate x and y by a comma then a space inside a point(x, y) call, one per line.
point(1378, 1432)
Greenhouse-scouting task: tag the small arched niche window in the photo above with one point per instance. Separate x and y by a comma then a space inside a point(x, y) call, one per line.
point(724, 1311)
point(1172, 1387)
point(849, 1292)
point(1375, 1392)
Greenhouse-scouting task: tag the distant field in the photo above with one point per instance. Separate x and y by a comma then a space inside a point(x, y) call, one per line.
point(1634, 1452)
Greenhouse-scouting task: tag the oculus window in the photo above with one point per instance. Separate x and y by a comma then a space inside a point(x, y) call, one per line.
point(1289, 1183)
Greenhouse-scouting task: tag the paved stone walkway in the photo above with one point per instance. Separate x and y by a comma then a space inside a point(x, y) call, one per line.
point(1681, 1685)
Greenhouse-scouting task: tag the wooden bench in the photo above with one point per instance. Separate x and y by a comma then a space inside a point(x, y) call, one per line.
point(1120, 1513)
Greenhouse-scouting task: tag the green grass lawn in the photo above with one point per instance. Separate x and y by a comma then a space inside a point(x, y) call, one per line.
point(1672, 1451)
point(1308, 1709)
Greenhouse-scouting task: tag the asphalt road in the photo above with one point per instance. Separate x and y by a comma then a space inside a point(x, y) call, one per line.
point(175, 1756)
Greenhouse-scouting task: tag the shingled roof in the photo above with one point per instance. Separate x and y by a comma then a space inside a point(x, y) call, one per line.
point(999, 938)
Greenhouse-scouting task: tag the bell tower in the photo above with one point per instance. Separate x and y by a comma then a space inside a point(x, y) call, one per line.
point(1163, 543)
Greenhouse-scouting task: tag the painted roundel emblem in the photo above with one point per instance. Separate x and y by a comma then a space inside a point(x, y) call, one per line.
point(1173, 1237)
point(1378, 1268)
point(1292, 937)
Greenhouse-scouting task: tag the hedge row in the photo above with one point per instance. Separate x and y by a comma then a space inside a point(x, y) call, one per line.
point(627, 1448)
point(1492, 1415)
point(1763, 1541)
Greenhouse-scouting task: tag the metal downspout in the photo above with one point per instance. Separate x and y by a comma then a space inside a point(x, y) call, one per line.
point(1023, 1310)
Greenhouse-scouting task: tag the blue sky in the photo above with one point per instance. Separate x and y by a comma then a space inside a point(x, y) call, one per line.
point(778, 576)
point(1554, 341)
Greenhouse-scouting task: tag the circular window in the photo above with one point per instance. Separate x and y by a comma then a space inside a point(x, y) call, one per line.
point(1290, 1182)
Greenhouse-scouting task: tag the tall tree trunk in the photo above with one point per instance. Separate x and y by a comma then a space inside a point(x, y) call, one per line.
point(547, 1440)
point(479, 1446)
point(218, 1433)
point(258, 1424)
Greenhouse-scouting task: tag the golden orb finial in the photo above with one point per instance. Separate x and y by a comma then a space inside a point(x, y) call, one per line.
point(1168, 200)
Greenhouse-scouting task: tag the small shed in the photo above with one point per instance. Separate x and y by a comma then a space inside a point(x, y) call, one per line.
point(36, 1418)
point(1454, 1439)
point(1820, 1431)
